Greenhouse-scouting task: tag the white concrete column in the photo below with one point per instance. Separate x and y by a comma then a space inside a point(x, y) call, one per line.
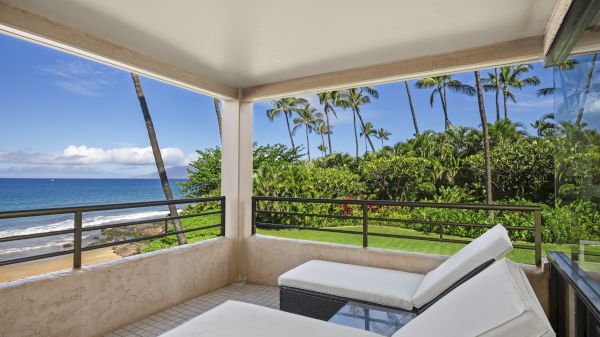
point(236, 179)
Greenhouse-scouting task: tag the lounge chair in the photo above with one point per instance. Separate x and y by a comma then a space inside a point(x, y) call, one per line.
point(318, 289)
point(499, 301)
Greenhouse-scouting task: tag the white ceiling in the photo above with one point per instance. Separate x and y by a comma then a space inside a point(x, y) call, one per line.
point(243, 43)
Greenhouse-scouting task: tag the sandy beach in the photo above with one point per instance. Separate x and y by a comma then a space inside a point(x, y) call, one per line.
point(22, 270)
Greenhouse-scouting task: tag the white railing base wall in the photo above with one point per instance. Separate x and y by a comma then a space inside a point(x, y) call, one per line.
point(101, 298)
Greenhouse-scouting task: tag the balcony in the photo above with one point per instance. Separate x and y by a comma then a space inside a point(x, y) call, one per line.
point(147, 294)
point(240, 52)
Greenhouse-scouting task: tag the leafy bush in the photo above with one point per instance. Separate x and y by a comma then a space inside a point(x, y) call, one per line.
point(522, 170)
point(439, 167)
point(398, 178)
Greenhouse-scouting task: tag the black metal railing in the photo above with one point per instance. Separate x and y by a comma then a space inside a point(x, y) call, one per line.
point(78, 228)
point(582, 314)
point(365, 219)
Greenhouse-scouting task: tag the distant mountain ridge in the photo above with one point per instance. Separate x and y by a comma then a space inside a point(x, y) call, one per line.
point(173, 172)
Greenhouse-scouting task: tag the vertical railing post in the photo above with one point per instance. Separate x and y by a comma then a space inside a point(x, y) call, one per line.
point(538, 237)
point(365, 211)
point(77, 240)
point(222, 216)
point(253, 224)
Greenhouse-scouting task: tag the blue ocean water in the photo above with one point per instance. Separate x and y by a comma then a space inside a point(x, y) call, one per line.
point(19, 194)
point(22, 194)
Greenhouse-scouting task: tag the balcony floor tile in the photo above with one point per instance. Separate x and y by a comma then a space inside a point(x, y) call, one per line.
point(168, 319)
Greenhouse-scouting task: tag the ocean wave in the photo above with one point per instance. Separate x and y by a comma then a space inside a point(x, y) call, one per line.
point(87, 222)
point(47, 245)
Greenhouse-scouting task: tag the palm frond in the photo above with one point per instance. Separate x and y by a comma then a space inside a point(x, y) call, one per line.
point(427, 82)
point(511, 97)
point(545, 91)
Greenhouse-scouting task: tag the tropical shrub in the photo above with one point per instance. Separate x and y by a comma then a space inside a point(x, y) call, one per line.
point(438, 167)
point(522, 170)
point(398, 178)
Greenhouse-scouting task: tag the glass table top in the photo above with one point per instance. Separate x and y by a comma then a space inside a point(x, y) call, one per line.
point(383, 321)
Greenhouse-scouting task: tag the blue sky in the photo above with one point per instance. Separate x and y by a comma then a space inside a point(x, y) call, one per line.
point(64, 116)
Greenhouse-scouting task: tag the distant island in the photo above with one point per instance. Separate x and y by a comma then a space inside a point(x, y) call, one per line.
point(173, 172)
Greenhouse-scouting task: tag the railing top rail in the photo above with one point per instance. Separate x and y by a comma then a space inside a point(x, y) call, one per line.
point(106, 207)
point(492, 207)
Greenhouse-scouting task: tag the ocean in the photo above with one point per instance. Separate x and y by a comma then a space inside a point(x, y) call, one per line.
point(23, 194)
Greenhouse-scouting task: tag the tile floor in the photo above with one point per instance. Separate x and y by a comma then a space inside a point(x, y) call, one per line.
point(166, 320)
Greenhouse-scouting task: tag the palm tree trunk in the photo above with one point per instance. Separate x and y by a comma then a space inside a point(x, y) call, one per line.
point(160, 165)
point(366, 145)
point(219, 120)
point(355, 132)
point(287, 121)
point(444, 108)
point(362, 123)
point(562, 87)
point(307, 142)
point(497, 95)
point(486, 139)
point(505, 94)
point(328, 128)
point(323, 143)
point(412, 108)
point(586, 91)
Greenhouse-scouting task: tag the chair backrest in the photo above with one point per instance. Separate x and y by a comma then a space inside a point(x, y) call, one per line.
point(492, 245)
point(499, 301)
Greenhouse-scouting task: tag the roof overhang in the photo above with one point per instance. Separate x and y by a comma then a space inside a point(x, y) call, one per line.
point(265, 48)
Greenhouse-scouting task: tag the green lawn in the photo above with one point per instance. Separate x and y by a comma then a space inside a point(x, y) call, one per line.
point(195, 236)
point(421, 246)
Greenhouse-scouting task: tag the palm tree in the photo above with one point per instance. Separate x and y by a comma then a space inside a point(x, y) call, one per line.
point(383, 134)
point(329, 99)
point(412, 108)
point(586, 91)
point(286, 106)
point(486, 138)
point(544, 125)
point(160, 165)
point(366, 132)
point(566, 65)
point(510, 77)
point(504, 131)
point(491, 79)
point(353, 99)
point(441, 84)
point(219, 120)
point(308, 118)
point(322, 129)
point(323, 149)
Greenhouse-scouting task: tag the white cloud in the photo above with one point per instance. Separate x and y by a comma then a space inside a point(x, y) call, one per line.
point(84, 155)
point(80, 77)
point(190, 158)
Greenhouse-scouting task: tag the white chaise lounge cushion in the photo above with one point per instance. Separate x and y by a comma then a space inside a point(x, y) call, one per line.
point(236, 319)
point(382, 286)
point(492, 245)
point(499, 301)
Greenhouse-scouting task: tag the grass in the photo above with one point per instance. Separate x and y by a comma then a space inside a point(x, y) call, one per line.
point(412, 245)
point(194, 236)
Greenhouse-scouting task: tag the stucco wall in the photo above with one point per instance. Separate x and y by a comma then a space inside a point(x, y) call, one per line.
point(100, 298)
point(269, 257)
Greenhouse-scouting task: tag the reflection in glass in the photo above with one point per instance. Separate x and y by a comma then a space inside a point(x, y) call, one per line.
point(577, 181)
